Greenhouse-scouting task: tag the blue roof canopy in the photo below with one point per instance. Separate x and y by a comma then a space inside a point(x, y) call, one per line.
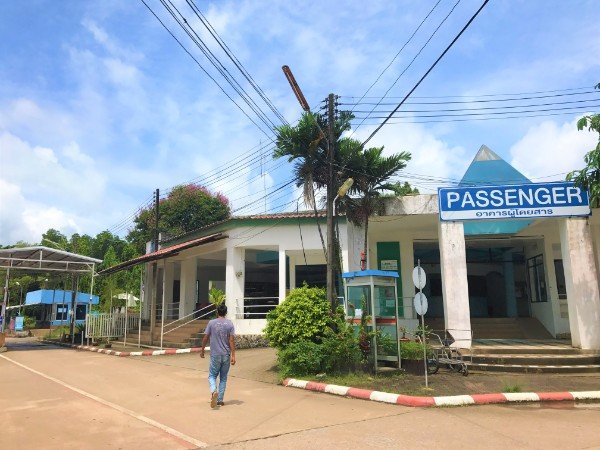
point(50, 296)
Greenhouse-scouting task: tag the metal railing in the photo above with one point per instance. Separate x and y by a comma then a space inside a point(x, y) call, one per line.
point(109, 325)
point(171, 311)
point(199, 314)
point(255, 307)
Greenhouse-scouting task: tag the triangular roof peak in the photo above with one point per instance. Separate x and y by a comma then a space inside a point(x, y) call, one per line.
point(486, 154)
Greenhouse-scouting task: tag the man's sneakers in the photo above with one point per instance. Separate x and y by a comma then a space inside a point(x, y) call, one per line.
point(220, 403)
point(213, 400)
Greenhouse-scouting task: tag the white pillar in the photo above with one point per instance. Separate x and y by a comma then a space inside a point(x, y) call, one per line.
point(234, 282)
point(168, 277)
point(187, 300)
point(356, 239)
point(293, 262)
point(455, 287)
point(581, 276)
point(407, 261)
point(282, 274)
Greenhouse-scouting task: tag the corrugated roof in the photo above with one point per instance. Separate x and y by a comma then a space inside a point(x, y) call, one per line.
point(163, 253)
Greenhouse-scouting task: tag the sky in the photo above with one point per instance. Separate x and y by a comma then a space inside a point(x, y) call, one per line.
point(100, 106)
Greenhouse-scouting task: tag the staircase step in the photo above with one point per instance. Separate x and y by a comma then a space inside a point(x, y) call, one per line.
point(536, 359)
point(532, 368)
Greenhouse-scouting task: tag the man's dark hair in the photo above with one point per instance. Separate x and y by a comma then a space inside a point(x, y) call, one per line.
point(222, 310)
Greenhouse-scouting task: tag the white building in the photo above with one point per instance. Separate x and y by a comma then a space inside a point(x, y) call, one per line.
point(536, 277)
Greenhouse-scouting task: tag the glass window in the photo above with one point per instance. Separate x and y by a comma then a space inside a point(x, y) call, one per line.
point(537, 279)
point(561, 285)
point(61, 312)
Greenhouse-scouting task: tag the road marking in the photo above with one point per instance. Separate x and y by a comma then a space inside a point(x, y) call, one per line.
point(119, 408)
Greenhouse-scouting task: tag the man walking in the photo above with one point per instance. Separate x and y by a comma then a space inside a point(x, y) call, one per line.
point(221, 332)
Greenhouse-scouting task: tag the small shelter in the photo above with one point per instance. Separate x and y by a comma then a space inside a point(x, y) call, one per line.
point(46, 259)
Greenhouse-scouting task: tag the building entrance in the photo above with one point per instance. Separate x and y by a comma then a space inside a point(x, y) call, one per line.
point(496, 273)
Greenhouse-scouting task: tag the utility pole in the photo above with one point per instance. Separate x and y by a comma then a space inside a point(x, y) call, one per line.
point(156, 217)
point(331, 291)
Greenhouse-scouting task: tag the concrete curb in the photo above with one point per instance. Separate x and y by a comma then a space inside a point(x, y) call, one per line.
point(168, 351)
point(453, 400)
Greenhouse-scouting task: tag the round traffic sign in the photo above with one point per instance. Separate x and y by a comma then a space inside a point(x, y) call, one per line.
point(420, 303)
point(419, 277)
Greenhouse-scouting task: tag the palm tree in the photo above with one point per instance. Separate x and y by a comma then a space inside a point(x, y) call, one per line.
point(371, 172)
point(306, 146)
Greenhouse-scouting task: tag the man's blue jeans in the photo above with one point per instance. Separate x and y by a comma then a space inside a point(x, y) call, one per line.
point(219, 366)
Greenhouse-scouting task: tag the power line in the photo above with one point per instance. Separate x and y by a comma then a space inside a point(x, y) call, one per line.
point(480, 118)
point(481, 95)
point(485, 113)
point(235, 60)
point(416, 56)
point(400, 51)
point(429, 70)
point(216, 63)
point(203, 69)
point(471, 101)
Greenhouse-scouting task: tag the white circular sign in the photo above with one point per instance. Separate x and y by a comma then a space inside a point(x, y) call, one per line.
point(420, 303)
point(419, 277)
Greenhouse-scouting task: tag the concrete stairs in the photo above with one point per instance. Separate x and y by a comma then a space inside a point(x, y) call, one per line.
point(188, 335)
point(532, 358)
point(500, 328)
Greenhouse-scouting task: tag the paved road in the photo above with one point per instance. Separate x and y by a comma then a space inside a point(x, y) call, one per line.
point(58, 398)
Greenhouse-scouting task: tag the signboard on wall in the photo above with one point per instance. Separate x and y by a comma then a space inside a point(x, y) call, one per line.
point(389, 264)
point(522, 201)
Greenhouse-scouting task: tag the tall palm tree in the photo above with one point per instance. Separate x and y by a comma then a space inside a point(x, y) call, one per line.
point(371, 172)
point(306, 146)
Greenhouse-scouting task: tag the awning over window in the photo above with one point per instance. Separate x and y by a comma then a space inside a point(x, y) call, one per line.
point(163, 253)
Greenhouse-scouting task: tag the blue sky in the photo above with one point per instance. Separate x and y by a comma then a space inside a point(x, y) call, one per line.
point(99, 105)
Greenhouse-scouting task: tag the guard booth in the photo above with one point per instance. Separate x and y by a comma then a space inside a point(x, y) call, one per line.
point(373, 293)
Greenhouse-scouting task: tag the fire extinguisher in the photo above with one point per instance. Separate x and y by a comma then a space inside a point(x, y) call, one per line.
point(363, 261)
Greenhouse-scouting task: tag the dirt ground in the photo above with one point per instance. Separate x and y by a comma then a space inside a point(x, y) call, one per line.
point(261, 365)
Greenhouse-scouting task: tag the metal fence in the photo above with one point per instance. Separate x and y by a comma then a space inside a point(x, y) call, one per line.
point(107, 325)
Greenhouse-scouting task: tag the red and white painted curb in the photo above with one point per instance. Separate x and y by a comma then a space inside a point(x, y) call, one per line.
point(452, 400)
point(168, 351)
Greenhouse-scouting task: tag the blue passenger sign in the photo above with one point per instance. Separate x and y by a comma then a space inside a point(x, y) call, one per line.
point(523, 201)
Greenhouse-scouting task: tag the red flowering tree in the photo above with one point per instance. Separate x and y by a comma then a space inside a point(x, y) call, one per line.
point(186, 208)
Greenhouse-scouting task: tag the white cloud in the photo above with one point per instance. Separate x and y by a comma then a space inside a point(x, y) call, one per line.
point(433, 159)
point(551, 148)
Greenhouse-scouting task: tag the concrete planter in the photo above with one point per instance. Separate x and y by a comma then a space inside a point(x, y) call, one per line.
point(413, 366)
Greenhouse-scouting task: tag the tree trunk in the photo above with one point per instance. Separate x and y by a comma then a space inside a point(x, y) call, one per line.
point(366, 245)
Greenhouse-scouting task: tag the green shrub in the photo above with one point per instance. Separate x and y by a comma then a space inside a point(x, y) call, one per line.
point(412, 350)
point(341, 352)
point(29, 322)
point(300, 358)
point(303, 315)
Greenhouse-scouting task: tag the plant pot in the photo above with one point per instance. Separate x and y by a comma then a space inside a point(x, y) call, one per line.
point(413, 366)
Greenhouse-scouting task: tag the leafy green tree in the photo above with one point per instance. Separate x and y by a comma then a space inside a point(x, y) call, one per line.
point(55, 239)
point(186, 208)
point(401, 189)
point(589, 177)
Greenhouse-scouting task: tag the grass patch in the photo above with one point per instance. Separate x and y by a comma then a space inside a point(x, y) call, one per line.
point(511, 388)
point(394, 382)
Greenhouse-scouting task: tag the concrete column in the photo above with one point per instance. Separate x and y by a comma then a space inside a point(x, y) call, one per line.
point(168, 277)
point(509, 285)
point(356, 238)
point(407, 262)
point(187, 303)
point(293, 263)
point(153, 300)
point(282, 274)
point(581, 276)
point(234, 281)
point(455, 287)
